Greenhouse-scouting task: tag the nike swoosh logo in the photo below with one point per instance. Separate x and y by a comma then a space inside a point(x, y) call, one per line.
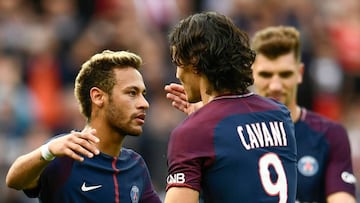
point(85, 188)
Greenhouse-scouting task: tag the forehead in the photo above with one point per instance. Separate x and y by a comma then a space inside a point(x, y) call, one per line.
point(128, 77)
point(286, 62)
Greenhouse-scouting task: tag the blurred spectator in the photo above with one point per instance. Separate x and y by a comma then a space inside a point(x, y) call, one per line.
point(16, 20)
point(36, 135)
point(17, 103)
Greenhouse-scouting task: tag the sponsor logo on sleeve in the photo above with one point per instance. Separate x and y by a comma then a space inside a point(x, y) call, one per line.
point(176, 178)
point(348, 177)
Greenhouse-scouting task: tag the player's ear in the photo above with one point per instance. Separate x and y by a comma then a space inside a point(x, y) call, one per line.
point(301, 73)
point(194, 61)
point(195, 70)
point(97, 96)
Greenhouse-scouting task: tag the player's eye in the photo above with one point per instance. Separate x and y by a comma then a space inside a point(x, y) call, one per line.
point(286, 74)
point(265, 74)
point(132, 93)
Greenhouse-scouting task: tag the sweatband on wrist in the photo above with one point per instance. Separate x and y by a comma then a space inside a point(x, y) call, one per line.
point(45, 153)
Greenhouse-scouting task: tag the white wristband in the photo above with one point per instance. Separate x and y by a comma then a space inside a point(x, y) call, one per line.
point(45, 153)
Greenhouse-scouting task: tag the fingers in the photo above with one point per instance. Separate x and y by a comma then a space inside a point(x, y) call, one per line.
point(176, 93)
point(77, 151)
point(76, 145)
point(177, 102)
point(174, 87)
point(176, 90)
point(85, 142)
point(70, 153)
point(87, 134)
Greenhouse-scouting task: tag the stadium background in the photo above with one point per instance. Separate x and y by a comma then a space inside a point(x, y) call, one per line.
point(43, 43)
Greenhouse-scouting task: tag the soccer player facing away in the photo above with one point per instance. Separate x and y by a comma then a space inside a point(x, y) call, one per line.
point(91, 165)
point(239, 147)
point(325, 173)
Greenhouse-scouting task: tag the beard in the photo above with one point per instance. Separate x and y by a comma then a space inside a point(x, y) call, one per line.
point(126, 131)
point(121, 121)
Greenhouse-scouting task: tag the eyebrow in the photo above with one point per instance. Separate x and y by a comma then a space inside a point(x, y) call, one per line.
point(136, 88)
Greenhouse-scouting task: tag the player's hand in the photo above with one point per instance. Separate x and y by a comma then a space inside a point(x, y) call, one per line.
point(75, 144)
point(176, 94)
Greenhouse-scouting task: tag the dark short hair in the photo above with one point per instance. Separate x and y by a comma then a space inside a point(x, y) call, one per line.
point(213, 44)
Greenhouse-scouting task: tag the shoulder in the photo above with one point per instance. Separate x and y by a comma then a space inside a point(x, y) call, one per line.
point(192, 132)
point(331, 129)
point(194, 135)
point(127, 153)
point(319, 122)
point(60, 165)
point(268, 103)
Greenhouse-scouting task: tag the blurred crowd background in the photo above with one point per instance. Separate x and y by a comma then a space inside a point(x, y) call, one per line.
point(44, 42)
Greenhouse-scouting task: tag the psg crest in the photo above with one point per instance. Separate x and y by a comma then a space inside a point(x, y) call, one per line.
point(308, 166)
point(134, 194)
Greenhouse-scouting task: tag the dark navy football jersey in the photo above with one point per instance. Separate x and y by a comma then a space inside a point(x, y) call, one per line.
point(103, 178)
point(236, 149)
point(324, 158)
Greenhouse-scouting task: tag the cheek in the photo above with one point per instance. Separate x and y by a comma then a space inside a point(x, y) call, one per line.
point(118, 110)
point(260, 83)
point(119, 118)
point(291, 83)
point(113, 112)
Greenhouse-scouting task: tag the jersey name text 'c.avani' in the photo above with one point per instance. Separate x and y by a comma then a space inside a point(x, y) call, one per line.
point(262, 134)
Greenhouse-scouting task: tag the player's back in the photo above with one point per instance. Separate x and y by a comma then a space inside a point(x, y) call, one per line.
point(243, 147)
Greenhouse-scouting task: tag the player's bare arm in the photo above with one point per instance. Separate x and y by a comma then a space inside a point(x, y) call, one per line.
point(177, 96)
point(342, 197)
point(181, 195)
point(26, 170)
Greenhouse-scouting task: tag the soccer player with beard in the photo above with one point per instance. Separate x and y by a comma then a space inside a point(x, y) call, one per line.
point(92, 165)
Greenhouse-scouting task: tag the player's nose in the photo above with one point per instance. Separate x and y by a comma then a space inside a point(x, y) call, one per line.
point(143, 103)
point(275, 84)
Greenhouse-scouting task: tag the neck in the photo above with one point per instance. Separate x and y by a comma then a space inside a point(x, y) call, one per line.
point(110, 141)
point(295, 113)
point(205, 91)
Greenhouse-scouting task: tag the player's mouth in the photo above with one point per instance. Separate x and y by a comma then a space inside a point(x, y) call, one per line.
point(140, 118)
point(277, 97)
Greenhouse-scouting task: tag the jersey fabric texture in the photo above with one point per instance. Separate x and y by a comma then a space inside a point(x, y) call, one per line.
point(324, 158)
point(123, 179)
point(236, 149)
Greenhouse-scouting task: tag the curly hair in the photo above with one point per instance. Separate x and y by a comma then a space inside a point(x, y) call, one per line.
point(213, 44)
point(98, 72)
